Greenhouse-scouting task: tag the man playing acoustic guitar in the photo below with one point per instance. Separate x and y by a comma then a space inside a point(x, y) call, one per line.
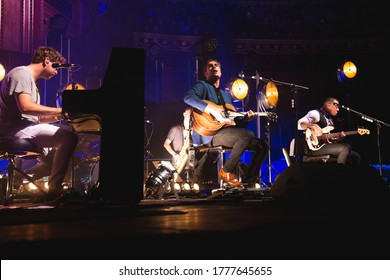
point(317, 124)
point(211, 103)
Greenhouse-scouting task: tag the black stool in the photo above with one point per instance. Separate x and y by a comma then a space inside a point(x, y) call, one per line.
point(221, 157)
point(11, 150)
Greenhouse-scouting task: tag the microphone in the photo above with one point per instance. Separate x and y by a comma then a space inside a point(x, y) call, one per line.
point(345, 107)
point(64, 65)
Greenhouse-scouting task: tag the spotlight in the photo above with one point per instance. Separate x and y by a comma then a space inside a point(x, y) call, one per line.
point(75, 86)
point(70, 86)
point(195, 187)
point(186, 187)
point(159, 177)
point(238, 89)
point(346, 72)
point(28, 188)
point(268, 96)
point(177, 187)
point(2, 72)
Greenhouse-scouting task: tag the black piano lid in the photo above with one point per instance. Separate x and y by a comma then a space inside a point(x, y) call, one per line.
point(119, 104)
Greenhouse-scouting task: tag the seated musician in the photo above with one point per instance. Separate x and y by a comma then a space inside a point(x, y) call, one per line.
point(207, 97)
point(318, 121)
point(177, 138)
point(23, 116)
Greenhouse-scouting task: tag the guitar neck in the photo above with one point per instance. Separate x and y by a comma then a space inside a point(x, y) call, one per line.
point(336, 134)
point(261, 114)
point(238, 114)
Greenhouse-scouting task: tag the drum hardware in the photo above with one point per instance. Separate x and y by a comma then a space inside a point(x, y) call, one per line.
point(86, 176)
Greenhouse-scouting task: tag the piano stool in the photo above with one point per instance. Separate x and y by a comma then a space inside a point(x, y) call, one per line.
point(10, 151)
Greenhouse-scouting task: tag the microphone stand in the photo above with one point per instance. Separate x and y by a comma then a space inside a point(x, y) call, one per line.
point(190, 166)
point(294, 101)
point(378, 124)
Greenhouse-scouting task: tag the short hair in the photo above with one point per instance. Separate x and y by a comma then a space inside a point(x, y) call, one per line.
point(42, 52)
point(329, 99)
point(207, 62)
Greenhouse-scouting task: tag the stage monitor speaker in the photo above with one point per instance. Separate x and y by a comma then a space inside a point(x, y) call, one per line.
point(322, 182)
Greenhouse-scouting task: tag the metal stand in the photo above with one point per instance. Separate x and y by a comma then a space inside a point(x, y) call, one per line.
point(147, 138)
point(269, 166)
point(379, 124)
point(294, 100)
point(11, 168)
point(294, 106)
point(164, 189)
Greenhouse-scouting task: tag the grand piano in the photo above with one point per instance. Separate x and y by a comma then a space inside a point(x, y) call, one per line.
point(115, 111)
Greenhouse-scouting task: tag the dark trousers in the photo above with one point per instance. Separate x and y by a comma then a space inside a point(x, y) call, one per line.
point(240, 140)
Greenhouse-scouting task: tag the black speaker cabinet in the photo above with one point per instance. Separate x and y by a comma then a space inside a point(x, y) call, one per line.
point(321, 182)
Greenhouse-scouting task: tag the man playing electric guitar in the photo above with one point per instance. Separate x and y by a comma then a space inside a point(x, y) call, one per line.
point(318, 121)
point(316, 142)
point(207, 96)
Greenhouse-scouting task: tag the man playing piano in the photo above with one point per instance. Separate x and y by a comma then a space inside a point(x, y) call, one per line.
point(22, 116)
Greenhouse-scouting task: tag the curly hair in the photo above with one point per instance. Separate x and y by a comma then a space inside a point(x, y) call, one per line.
point(42, 52)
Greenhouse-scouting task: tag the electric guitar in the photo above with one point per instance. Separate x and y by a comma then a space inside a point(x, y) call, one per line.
point(317, 142)
point(205, 124)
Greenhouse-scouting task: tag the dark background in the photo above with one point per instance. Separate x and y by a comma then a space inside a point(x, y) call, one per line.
point(295, 42)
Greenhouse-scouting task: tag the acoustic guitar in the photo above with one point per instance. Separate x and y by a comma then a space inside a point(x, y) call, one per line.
point(315, 142)
point(205, 124)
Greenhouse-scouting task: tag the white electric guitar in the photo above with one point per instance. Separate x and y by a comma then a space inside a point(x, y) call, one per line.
point(315, 142)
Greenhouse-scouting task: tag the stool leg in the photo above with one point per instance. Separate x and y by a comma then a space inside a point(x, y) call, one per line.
point(25, 175)
point(221, 156)
point(10, 181)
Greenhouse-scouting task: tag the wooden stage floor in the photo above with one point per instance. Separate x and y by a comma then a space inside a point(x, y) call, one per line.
point(258, 227)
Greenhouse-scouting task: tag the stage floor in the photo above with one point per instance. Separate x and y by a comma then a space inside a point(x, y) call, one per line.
point(224, 227)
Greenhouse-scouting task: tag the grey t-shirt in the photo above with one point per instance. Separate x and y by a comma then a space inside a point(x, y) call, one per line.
point(19, 79)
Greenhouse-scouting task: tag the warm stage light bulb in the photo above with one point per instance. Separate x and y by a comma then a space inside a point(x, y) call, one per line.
point(239, 89)
point(2, 72)
point(349, 69)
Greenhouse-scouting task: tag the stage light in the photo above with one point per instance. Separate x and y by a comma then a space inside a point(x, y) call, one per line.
point(159, 177)
point(177, 187)
point(70, 86)
point(186, 187)
point(195, 187)
point(238, 89)
point(28, 188)
point(2, 72)
point(75, 86)
point(33, 187)
point(346, 72)
point(268, 96)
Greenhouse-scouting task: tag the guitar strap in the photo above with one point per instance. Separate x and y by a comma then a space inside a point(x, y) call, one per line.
point(221, 101)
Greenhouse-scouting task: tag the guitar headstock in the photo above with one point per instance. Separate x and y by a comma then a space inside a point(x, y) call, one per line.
point(273, 117)
point(363, 131)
